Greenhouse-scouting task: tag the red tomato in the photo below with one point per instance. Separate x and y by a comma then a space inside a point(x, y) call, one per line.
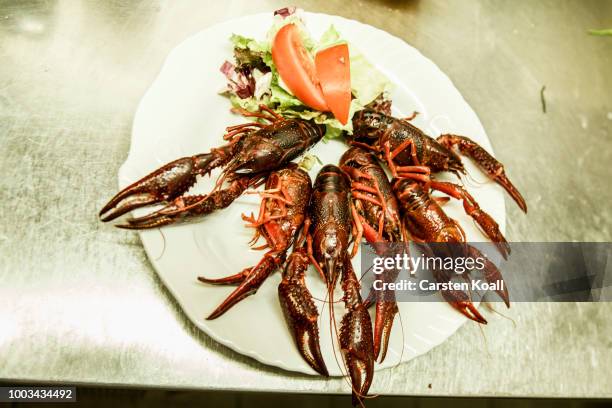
point(296, 68)
point(334, 71)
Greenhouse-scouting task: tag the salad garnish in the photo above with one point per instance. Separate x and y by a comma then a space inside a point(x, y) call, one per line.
point(256, 77)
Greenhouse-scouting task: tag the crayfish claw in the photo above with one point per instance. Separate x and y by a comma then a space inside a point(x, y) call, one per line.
point(492, 275)
point(300, 312)
point(461, 302)
point(166, 183)
point(190, 206)
point(164, 216)
point(358, 351)
point(487, 163)
point(306, 337)
point(458, 299)
point(468, 309)
point(505, 182)
point(128, 203)
point(491, 228)
point(385, 315)
point(471, 207)
point(156, 222)
point(356, 339)
point(249, 286)
point(227, 280)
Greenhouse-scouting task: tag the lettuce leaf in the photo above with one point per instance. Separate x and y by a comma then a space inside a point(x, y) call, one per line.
point(242, 42)
point(329, 38)
point(251, 104)
point(279, 22)
point(367, 82)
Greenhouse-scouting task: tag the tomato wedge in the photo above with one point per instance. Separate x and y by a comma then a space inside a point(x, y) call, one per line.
point(334, 73)
point(296, 68)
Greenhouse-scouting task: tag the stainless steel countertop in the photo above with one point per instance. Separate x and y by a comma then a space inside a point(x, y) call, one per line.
point(79, 302)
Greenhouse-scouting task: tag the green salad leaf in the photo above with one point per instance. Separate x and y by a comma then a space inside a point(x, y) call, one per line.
point(330, 38)
point(280, 22)
point(367, 82)
point(308, 161)
point(240, 41)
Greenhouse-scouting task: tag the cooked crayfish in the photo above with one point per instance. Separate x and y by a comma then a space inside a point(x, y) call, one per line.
point(410, 151)
point(282, 212)
point(254, 150)
point(377, 217)
point(353, 200)
point(328, 230)
point(426, 222)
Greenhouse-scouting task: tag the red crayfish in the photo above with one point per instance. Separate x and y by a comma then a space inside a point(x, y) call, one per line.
point(254, 150)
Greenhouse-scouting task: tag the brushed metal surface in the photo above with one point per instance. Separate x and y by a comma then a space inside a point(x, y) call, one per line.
point(79, 301)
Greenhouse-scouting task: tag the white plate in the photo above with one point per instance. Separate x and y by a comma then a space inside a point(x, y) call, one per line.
point(181, 114)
